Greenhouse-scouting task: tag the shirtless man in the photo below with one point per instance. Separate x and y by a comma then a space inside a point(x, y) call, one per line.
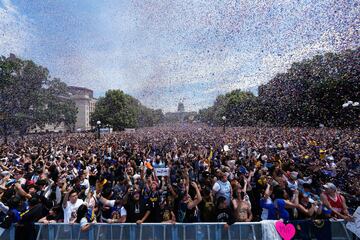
point(242, 206)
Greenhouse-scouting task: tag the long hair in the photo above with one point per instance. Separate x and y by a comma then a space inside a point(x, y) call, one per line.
point(81, 212)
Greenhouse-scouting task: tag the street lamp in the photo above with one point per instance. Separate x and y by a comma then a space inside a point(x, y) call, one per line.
point(98, 124)
point(224, 121)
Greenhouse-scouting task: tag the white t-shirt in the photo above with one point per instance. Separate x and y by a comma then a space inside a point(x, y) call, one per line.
point(86, 184)
point(83, 222)
point(70, 210)
point(122, 209)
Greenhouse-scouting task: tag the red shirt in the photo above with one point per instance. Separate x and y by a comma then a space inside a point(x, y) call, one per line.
point(336, 204)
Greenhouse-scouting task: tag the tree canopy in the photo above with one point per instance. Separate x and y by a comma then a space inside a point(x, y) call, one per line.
point(310, 93)
point(121, 110)
point(28, 96)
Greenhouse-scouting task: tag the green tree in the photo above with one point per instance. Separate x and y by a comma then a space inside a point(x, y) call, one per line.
point(313, 91)
point(28, 96)
point(310, 93)
point(121, 110)
point(238, 107)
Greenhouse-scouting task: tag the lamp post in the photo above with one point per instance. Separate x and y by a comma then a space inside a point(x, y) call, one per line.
point(224, 121)
point(98, 124)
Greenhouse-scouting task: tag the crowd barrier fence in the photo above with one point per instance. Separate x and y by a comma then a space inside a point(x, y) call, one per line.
point(157, 231)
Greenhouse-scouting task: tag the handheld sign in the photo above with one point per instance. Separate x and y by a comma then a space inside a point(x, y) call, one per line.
point(162, 172)
point(355, 226)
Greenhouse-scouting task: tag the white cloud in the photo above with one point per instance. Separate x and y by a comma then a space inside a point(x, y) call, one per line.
point(16, 30)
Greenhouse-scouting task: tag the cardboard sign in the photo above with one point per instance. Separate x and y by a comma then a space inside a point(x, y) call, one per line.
point(161, 172)
point(287, 232)
point(355, 226)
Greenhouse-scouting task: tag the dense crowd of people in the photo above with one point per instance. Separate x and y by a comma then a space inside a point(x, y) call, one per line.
point(242, 175)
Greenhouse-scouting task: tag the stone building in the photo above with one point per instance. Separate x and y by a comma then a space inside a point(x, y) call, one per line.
point(85, 103)
point(181, 115)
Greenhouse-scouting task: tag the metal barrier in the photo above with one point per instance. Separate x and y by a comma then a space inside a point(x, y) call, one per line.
point(157, 231)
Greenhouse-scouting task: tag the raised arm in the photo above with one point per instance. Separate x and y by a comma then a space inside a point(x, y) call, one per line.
point(66, 197)
point(106, 202)
point(267, 191)
point(21, 191)
point(198, 198)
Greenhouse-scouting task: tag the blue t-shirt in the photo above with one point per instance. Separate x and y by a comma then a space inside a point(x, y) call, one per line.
point(269, 210)
point(283, 213)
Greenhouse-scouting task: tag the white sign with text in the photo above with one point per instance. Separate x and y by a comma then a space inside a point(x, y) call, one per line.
point(355, 225)
point(162, 172)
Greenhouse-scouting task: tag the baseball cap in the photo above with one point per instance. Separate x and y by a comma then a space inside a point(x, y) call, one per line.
point(330, 186)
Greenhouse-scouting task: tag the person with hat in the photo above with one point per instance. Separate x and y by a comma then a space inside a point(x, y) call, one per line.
point(335, 202)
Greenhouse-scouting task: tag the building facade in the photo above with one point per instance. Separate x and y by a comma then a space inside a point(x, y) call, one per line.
point(181, 115)
point(85, 103)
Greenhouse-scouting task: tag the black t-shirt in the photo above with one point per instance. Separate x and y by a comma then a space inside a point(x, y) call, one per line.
point(224, 215)
point(26, 229)
point(154, 207)
point(165, 214)
point(206, 210)
point(136, 211)
point(33, 215)
point(92, 180)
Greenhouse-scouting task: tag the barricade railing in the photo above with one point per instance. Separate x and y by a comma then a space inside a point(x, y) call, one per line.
point(157, 231)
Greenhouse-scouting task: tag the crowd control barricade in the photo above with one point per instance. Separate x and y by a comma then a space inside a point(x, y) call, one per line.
point(161, 231)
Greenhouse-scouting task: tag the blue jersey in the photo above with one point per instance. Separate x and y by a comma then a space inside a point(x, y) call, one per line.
point(283, 213)
point(269, 210)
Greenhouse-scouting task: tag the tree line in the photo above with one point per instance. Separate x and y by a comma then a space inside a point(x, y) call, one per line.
point(311, 93)
point(29, 96)
point(120, 110)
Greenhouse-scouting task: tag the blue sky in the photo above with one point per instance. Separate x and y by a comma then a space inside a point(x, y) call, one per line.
point(164, 51)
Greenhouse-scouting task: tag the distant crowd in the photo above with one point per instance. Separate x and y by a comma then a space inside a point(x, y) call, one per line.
point(179, 174)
